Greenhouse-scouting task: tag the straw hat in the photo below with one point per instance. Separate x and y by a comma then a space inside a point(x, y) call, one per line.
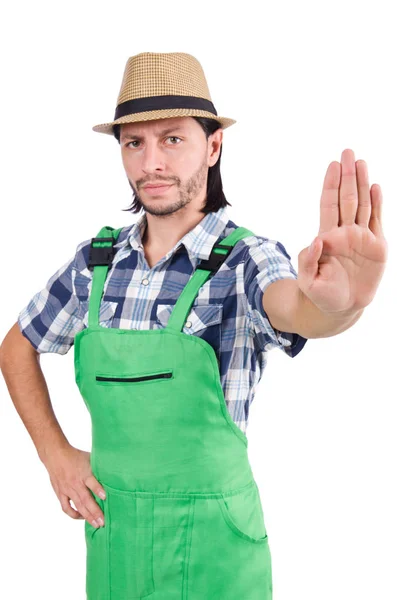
point(163, 85)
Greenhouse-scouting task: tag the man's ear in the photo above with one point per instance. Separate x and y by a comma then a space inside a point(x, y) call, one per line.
point(216, 140)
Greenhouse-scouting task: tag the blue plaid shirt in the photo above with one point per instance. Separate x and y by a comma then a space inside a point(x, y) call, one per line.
point(227, 312)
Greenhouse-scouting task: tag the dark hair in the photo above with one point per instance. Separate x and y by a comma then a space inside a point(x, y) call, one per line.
point(215, 197)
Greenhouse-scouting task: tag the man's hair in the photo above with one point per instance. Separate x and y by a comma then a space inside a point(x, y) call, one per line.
point(215, 197)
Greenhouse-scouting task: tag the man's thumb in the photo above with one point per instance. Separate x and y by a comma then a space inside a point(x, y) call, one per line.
point(312, 256)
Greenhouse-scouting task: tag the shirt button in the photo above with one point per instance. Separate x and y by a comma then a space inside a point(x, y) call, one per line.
point(145, 281)
point(188, 323)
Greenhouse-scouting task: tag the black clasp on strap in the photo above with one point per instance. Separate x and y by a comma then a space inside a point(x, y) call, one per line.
point(215, 259)
point(101, 255)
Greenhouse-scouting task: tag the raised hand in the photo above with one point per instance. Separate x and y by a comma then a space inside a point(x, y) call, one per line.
point(341, 273)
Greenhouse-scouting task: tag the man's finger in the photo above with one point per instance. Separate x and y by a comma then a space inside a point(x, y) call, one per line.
point(348, 192)
point(329, 202)
point(94, 485)
point(91, 505)
point(364, 198)
point(87, 506)
point(375, 222)
point(69, 510)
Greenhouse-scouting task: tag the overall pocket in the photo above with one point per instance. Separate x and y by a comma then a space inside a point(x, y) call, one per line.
point(130, 523)
point(244, 515)
point(103, 378)
point(97, 577)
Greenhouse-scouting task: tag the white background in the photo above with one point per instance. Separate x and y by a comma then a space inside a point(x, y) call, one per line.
point(304, 81)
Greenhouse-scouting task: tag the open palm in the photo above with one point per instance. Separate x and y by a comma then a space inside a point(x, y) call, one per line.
point(343, 271)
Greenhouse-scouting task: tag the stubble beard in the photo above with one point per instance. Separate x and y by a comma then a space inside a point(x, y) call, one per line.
point(187, 193)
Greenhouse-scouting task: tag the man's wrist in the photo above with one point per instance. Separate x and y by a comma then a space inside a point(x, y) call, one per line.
point(311, 322)
point(51, 446)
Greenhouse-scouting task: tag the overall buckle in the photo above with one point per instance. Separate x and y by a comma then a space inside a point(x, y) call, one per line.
point(215, 259)
point(101, 255)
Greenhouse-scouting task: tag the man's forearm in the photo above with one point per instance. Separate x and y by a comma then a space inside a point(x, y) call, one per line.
point(29, 392)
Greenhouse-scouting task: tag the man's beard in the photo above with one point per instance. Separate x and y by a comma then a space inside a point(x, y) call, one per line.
point(187, 193)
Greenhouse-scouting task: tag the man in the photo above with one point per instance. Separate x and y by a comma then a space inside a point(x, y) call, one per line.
point(170, 341)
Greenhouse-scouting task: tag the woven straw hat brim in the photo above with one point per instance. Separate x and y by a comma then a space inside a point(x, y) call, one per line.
point(162, 114)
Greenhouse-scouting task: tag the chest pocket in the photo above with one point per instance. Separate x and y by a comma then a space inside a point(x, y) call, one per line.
point(203, 320)
point(106, 312)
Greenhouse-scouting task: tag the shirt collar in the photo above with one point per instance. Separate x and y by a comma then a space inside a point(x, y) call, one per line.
point(198, 241)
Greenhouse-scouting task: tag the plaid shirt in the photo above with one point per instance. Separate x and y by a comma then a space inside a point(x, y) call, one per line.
point(227, 312)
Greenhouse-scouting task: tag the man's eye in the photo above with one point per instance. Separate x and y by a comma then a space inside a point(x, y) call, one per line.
point(171, 137)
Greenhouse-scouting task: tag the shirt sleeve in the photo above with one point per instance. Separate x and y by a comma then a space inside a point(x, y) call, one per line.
point(53, 317)
point(267, 261)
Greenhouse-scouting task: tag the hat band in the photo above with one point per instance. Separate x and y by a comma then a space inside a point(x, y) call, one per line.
point(162, 102)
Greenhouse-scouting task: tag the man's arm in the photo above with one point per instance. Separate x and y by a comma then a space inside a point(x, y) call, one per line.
point(68, 467)
point(20, 366)
point(288, 309)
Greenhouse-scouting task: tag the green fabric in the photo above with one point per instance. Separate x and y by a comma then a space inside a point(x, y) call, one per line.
point(183, 515)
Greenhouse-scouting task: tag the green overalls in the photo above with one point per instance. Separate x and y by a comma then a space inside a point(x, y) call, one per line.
point(183, 515)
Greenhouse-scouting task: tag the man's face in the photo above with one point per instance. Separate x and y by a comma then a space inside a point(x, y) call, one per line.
point(173, 152)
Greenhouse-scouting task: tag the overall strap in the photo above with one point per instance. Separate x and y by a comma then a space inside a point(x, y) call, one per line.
point(220, 251)
point(100, 258)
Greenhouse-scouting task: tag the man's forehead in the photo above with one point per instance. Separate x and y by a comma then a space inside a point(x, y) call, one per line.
point(157, 125)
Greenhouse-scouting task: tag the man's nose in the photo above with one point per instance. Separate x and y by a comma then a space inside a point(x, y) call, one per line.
point(152, 157)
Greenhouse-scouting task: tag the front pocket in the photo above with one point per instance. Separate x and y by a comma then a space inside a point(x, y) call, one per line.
point(97, 576)
point(200, 317)
point(164, 375)
point(243, 514)
point(204, 321)
point(130, 522)
point(107, 311)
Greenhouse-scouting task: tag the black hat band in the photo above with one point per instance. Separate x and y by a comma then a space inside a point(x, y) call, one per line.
point(139, 105)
